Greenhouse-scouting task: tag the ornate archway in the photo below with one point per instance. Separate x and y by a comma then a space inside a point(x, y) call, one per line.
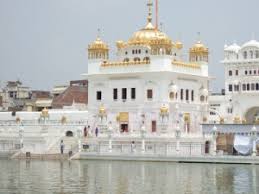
point(69, 134)
point(252, 115)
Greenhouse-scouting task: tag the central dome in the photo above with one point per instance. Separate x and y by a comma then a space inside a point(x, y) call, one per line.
point(150, 36)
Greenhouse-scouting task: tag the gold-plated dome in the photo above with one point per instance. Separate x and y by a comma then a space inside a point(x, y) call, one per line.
point(98, 44)
point(150, 36)
point(102, 110)
point(199, 47)
point(120, 44)
point(163, 109)
point(179, 45)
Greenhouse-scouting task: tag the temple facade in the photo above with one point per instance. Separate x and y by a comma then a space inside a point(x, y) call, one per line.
point(148, 84)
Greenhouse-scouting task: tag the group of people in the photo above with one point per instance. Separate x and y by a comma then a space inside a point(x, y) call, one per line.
point(87, 131)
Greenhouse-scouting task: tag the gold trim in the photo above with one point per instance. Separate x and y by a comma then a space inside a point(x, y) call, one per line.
point(124, 117)
point(121, 63)
point(188, 65)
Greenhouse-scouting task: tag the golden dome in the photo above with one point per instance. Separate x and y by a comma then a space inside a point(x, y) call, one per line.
point(199, 47)
point(120, 44)
point(163, 110)
point(98, 44)
point(179, 45)
point(102, 110)
point(150, 36)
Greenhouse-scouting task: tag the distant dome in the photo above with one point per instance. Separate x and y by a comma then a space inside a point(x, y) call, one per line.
point(233, 48)
point(179, 45)
point(199, 47)
point(98, 44)
point(251, 43)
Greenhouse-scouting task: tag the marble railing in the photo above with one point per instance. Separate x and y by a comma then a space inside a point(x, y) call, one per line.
point(160, 148)
point(40, 123)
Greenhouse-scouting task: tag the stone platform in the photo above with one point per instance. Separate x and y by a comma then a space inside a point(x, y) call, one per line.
point(163, 158)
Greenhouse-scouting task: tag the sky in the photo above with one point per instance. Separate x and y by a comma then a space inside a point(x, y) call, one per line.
point(44, 42)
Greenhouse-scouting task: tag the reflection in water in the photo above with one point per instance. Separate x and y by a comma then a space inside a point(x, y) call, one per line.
point(109, 177)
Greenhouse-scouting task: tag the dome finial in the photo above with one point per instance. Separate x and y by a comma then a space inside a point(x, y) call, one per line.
point(98, 34)
point(150, 5)
point(198, 36)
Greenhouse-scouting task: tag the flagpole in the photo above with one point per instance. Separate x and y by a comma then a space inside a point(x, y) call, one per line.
point(156, 14)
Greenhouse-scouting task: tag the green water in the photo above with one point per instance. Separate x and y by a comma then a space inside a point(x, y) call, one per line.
point(107, 177)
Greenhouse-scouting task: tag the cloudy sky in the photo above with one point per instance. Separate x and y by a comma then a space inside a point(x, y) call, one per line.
point(43, 42)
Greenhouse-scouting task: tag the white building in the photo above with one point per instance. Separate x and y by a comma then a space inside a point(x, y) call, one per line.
point(14, 95)
point(240, 103)
point(148, 83)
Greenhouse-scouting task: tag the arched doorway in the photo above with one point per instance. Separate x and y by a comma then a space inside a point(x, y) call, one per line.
point(69, 134)
point(207, 147)
point(252, 115)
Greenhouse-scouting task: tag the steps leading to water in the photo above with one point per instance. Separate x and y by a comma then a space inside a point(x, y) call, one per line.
point(69, 142)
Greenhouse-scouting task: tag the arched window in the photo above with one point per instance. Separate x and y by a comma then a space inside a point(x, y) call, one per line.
point(192, 95)
point(257, 86)
point(126, 60)
point(230, 73)
point(139, 51)
point(247, 87)
point(245, 54)
point(181, 94)
point(252, 86)
point(137, 59)
point(257, 54)
point(133, 52)
point(147, 59)
point(187, 95)
point(251, 54)
point(172, 95)
point(245, 72)
point(244, 87)
point(202, 98)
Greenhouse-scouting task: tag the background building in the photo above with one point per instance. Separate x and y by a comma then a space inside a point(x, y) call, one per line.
point(240, 103)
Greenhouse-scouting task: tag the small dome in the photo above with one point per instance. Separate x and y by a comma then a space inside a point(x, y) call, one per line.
point(150, 36)
point(199, 47)
point(232, 48)
point(102, 110)
point(251, 43)
point(179, 45)
point(120, 44)
point(98, 44)
point(164, 109)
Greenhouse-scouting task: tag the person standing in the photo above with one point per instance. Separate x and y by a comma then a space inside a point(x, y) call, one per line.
point(133, 147)
point(62, 146)
point(85, 132)
point(96, 131)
